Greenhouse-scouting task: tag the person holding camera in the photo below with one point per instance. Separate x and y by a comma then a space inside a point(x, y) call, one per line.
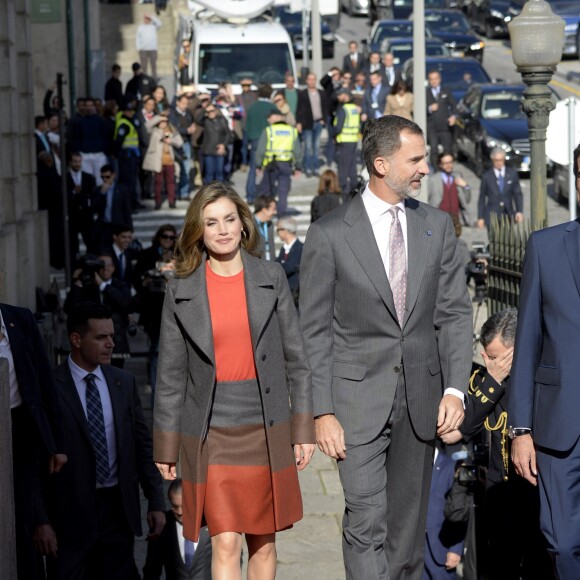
point(510, 502)
point(214, 147)
point(93, 281)
point(160, 158)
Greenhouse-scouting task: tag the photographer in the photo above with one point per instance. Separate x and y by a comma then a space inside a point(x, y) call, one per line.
point(516, 547)
point(150, 275)
point(214, 147)
point(93, 282)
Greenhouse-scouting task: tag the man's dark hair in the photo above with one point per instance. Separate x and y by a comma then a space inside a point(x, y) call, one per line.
point(174, 487)
point(119, 229)
point(108, 168)
point(80, 100)
point(79, 315)
point(262, 202)
point(576, 157)
point(445, 154)
point(38, 120)
point(115, 67)
point(72, 154)
point(382, 137)
point(433, 71)
point(264, 91)
point(181, 97)
point(502, 324)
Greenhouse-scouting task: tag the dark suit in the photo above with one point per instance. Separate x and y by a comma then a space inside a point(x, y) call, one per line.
point(544, 387)
point(164, 553)
point(397, 76)
point(76, 508)
point(492, 200)
point(37, 429)
point(80, 212)
point(304, 110)
point(114, 91)
point(347, 65)
point(380, 103)
point(120, 213)
point(442, 536)
point(438, 130)
point(291, 265)
point(126, 274)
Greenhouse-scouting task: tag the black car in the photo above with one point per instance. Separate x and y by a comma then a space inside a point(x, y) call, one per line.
point(491, 17)
point(384, 29)
point(490, 116)
point(457, 74)
point(292, 22)
point(385, 9)
point(402, 48)
point(453, 28)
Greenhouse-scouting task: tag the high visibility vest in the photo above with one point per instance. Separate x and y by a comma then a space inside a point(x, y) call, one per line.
point(351, 127)
point(132, 138)
point(279, 143)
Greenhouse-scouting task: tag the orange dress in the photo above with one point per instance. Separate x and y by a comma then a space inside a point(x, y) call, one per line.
point(239, 489)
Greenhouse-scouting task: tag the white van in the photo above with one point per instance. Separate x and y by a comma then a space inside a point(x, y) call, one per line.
point(226, 52)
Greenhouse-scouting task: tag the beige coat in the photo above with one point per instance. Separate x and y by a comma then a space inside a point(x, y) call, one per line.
point(404, 109)
point(154, 155)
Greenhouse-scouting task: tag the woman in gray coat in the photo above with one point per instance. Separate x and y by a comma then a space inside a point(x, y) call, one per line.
point(233, 401)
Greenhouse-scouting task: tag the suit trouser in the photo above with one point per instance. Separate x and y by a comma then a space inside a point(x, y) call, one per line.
point(110, 552)
point(559, 483)
point(346, 161)
point(386, 486)
point(436, 138)
point(149, 57)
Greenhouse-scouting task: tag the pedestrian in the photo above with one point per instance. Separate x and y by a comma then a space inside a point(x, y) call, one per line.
point(183, 64)
point(278, 157)
point(264, 212)
point(160, 96)
point(146, 42)
point(328, 195)
point(500, 192)
point(375, 98)
point(331, 83)
point(353, 62)
point(244, 102)
point(114, 87)
point(290, 92)
point(93, 139)
point(141, 84)
point(214, 147)
point(391, 73)
point(281, 104)
point(229, 321)
point(400, 101)
point(441, 116)
point(381, 284)
point(181, 118)
point(290, 254)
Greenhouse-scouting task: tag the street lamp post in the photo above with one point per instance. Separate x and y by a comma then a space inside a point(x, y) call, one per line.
point(537, 38)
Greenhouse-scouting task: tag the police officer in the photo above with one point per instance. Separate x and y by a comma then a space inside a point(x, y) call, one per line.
point(278, 151)
point(126, 148)
point(346, 132)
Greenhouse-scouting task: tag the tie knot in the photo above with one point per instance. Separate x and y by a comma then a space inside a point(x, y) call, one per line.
point(394, 211)
point(91, 379)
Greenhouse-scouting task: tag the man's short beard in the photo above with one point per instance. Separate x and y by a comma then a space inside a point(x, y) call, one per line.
point(403, 191)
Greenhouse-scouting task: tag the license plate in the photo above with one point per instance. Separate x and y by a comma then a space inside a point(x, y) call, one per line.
point(459, 53)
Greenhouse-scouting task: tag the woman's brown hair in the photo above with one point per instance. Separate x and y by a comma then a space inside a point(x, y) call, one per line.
point(328, 183)
point(190, 248)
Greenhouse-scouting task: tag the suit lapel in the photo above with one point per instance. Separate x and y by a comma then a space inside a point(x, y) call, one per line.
point(572, 243)
point(116, 394)
point(362, 242)
point(418, 250)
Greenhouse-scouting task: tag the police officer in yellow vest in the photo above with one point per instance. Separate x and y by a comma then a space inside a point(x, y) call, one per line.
point(346, 133)
point(278, 152)
point(126, 149)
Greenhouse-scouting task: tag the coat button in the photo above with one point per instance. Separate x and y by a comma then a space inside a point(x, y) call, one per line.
point(263, 357)
point(397, 369)
point(403, 338)
point(267, 390)
point(271, 423)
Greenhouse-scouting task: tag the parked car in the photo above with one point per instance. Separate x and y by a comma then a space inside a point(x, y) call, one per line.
point(355, 7)
point(570, 12)
point(457, 74)
point(292, 22)
point(453, 28)
point(490, 116)
point(387, 9)
point(402, 48)
point(385, 29)
point(491, 17)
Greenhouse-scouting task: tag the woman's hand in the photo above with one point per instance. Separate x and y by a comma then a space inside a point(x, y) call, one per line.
point(167, 470)
point(303, 454)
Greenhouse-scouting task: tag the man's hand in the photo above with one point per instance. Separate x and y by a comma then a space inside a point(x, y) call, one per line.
point(433, 107)
point(303, 454)
point(519, 217)
point(167, 470)
point(451, 414)
point(524, 458)
point(460, 181)
point(330, 436)
point(452, 437)
point(481, 224)
point(258, 171)
point(221, 149)
point(56, 462)
point(297, 173)
point(451, 120)
point(299, 127)
point(44, 540)
point(156, 522)
point(452, 561)
point(499, 367)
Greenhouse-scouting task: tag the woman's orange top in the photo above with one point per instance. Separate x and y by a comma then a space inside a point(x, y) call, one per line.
point(234, 355)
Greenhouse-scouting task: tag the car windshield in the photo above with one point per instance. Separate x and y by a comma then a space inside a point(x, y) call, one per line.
point(447, 22)
point(502, 106)
point(461, 75)
point(404, 51)
point(392, 30)
point(285, 17)
point(428, 3)
point(263, 63)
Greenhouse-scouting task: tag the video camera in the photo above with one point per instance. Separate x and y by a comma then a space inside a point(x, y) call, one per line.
point(158, 279)
point(477, 269)
point(89, 265)
point(474, 468)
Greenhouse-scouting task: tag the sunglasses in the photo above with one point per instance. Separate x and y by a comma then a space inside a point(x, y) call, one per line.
point(167, 237)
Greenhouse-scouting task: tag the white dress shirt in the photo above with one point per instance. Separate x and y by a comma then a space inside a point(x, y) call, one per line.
point(78, 376)
point(6, 352)
point(499, 172)
point(380, 218)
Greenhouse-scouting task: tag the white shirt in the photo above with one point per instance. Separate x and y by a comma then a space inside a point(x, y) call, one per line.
point(6, 352)
point(146, 38)
point(380, 218)
point(181, 540)
point(77, 177)
point(499, 172)
point(288, 247)
point(78, 376)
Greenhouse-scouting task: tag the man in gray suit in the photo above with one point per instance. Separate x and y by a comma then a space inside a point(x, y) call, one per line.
point(387, 323)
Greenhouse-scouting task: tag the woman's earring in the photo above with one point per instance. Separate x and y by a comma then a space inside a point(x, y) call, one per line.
point(244, 233)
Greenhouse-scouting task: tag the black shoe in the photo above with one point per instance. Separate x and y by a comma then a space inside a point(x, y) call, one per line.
point(157, 206)
point(139, 206)
point(171, 206)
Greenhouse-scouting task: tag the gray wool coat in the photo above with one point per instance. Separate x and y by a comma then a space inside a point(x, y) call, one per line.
point(186, 379)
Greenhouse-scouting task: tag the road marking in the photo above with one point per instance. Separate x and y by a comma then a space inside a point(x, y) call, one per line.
point(565, 86)
point(339, 38)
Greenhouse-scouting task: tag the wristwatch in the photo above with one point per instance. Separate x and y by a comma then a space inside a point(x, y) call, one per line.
point(514, 432)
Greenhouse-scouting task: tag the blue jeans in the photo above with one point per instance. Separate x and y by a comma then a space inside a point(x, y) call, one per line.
point(251, 182)
point(311, 140)
point(185, 170)
point(213, 168)
point(245, 153)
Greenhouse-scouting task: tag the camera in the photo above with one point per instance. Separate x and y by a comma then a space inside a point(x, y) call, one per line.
point(89, 265)
point(158, 279)
point(474, 469)
point(477, 270)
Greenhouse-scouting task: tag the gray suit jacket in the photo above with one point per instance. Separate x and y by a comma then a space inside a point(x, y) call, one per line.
point(435, 190)
point(354, 342)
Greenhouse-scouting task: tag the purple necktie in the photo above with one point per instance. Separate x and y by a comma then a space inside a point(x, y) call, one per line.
point(397, 264)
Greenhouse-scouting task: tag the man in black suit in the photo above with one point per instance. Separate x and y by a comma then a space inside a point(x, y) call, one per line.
point(290, 253)
point(141, 84)
point(374, 63)
point(38, 440)
point(121, 253)
point(500, 192)
point(353, 62)
point(391, 73)
point(441, 116)
point(93, 506)
point(375, 97)
point(111, 206)
point(114, 87)
point(181, 558)
point(80, 187)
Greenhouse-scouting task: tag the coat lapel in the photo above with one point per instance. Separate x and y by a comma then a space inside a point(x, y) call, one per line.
point(192, 309)
point(362, 242)
point(418, 250)
point(572, 245)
